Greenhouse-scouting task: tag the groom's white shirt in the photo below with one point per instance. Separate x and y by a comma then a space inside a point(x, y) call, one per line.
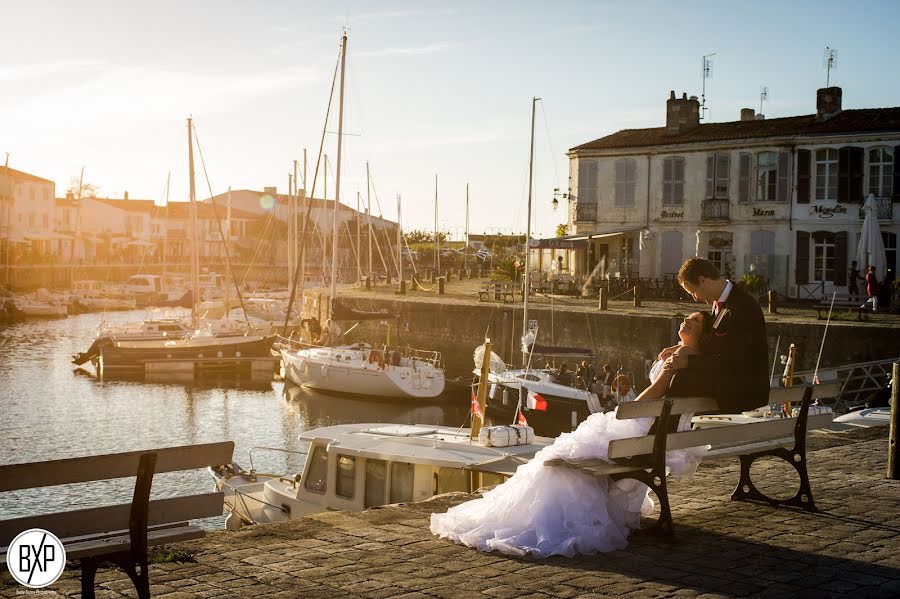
point(725, 293)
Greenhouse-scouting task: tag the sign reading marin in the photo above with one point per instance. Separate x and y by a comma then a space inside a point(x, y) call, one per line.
point(828, 211)
point(763, 212)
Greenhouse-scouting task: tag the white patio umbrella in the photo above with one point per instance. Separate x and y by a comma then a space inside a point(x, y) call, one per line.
point(870, 251)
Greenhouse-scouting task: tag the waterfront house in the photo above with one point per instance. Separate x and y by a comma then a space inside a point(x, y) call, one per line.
point(779, 197)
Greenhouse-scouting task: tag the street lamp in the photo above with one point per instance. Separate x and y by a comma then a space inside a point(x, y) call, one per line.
point(556, 195)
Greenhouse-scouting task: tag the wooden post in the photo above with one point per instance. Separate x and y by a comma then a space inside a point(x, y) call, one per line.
point(481, 397)
point(388, 276)
point(637, 296)
point(893, 469)
point(604, 299)
point(441, 285)
point(368, 282)
point(773, 306)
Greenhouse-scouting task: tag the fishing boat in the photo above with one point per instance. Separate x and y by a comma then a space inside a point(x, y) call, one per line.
point(200, 351)
point(360, 369)
point(357, 466)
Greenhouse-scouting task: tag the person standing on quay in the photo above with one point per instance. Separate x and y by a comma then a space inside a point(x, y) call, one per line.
point(852, 277)
point(872, 288)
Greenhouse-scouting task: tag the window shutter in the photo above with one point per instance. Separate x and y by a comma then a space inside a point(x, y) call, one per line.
point(678, 184)
point(630, 180)
point(667, 182)
point(784, 161)
point(844, 174)
point(710, 176)
point(840, 258)
point(856, 173)
point(620, 182)
point(802, 253)
point(897, 173)
point(803, 188)
point(744, 178)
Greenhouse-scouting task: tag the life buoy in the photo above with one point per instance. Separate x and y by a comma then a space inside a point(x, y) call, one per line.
point(621, 385)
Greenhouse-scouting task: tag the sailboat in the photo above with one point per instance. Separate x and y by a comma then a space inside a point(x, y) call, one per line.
point(359, 369)
point(202, 350)
point(558, 407)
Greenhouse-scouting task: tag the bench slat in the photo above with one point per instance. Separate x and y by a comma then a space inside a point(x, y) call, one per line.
point(121, 542)
point(651, 408)
point(118, 465)
point(720, 436)
point(108, 518)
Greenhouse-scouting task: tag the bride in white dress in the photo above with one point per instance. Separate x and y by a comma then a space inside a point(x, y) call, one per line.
point(561, 511)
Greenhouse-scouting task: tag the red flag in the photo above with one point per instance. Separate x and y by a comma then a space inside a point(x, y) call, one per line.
point(520, 420)
point(536, 402)
point(476, 407)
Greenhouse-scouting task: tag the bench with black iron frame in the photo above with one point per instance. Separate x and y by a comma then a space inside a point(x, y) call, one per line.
point(499, 290)
point(120, 534)
point(643, 458)
point(862, 310)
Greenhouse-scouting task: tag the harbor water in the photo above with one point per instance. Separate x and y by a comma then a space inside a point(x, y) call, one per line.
point(52, 409)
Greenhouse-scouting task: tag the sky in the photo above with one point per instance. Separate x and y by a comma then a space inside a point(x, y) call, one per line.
point(433, 89)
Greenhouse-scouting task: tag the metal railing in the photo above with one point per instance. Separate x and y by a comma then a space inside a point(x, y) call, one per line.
point(586, 212)
point(884, 209)
point(714, 210)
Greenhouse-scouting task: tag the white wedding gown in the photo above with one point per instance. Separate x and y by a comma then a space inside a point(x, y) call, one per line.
point(560, 511)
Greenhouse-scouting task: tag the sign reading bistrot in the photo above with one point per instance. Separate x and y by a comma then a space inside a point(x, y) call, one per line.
point(36, 558)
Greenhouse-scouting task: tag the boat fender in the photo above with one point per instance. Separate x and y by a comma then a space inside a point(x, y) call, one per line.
point(376, 356)
point(233, 522)
point(505, 436)
point(325, 371)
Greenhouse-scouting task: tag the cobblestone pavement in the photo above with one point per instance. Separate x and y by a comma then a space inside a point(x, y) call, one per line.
point(723, 548)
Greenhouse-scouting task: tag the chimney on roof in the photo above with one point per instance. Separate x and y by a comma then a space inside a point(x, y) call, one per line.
point(748, 114)
point(828, 103)
point(126, 196)
point(272, 191)
point(682, 114)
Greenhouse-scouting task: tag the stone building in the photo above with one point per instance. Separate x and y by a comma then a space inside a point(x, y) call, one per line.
point(779, 197)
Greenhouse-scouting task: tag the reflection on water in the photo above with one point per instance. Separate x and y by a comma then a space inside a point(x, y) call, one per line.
point(52, 410)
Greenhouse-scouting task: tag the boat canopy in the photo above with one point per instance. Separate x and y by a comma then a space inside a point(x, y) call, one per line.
point(342, 312)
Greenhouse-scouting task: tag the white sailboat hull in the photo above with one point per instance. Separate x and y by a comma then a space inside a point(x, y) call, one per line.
point(348, 370)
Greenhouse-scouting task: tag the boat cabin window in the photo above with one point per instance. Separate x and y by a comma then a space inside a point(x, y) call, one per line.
point(346, 476)
point(316, 477)
point(171, 327)
point(376, 475)
point(401, 482)
point(529, 377)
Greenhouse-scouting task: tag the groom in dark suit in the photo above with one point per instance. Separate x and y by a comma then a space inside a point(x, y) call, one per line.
point(732, 365)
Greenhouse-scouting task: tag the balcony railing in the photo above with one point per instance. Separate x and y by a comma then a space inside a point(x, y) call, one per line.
point(883, 209)
point(714, 210)
point(586, 213)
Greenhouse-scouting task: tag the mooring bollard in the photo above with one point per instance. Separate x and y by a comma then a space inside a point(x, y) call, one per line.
point(773, 307)
point(402, 287)
point(441, 285)
point(893, 468)
point(388, 277)
point(637, 296)
point(368, 282)
point(414, 283)
point(603, 299)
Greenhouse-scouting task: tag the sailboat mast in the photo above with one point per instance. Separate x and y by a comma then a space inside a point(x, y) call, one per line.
point(227, 241)
point(399, 243)
point(437, 237)
point(534, 101)
point(195, 250)
point(337, 183)
point(466, 249)
point(369, 218)
point(165, 252)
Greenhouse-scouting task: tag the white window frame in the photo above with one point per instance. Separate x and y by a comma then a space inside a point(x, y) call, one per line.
point(673, 186)
point(827, 180)
point(820, 257)
point(768, 172)
point(881, 172)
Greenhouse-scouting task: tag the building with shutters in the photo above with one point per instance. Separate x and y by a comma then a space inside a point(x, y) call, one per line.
point(779, 197)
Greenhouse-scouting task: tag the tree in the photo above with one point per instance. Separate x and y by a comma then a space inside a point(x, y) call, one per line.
point(417, 236)
point(561, 230)
point(81, 190)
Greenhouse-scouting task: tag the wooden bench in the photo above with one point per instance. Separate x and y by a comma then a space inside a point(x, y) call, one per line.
point(643, 458)
point(499, 291)
point(862, 310)
point(119, 533)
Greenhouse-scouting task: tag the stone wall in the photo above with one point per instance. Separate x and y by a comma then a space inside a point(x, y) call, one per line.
point(629, 340)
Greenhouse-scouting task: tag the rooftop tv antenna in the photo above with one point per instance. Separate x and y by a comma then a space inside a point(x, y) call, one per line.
point(706, 73)
point(763, 96)
point(830, 62)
